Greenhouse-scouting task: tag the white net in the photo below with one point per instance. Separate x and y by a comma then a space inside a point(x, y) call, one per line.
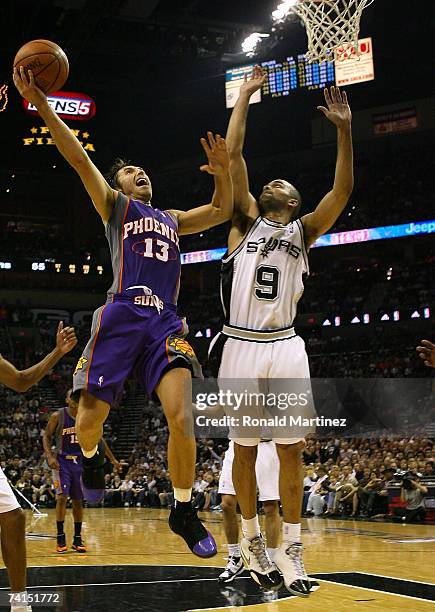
point(331, 25)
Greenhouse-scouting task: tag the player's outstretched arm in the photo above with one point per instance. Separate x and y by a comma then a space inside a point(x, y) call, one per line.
point(221, 207)
point(22, 380)
point(46, 440)
point(102, 195)
point(244, 201)
point(334, 202)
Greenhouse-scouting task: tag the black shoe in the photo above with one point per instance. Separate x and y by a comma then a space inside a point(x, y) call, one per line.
point(184, 521)
point(61, 544)
point(93, 476)
point(78, 545)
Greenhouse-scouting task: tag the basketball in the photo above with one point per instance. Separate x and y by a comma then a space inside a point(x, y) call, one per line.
point(47, 61)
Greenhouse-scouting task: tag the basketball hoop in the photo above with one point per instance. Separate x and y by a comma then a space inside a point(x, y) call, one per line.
point(332, 27)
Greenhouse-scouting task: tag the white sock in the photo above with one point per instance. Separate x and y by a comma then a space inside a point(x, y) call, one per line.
point(291, 532)
point(251, 527)
point(91, 453)
point(234, 550)
point(20, 604)
point(271, 552)
point(182, 495)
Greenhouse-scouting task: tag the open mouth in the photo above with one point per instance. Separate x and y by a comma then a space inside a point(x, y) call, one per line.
point(141, 182)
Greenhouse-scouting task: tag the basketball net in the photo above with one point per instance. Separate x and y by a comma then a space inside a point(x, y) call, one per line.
point(3, 97)
point(332, 27)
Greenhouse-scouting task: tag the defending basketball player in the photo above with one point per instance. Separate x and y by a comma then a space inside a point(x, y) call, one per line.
point(262, 281)
point(66, 463)
point(137, 332)
point(12, 519)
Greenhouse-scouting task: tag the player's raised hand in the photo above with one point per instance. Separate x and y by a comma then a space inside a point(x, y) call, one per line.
point(66, 338)
point(337, 109)
point(427, 353)
point(25, 83)
point(217, 155)
point(255, 81)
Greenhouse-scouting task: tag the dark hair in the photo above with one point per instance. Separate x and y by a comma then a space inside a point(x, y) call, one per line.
point(75, 395)
point(113, 171)
point(296, 196)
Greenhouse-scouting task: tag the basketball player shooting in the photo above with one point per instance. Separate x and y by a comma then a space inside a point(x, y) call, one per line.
point(12, 519)
point(137, 332)
point(261, 283)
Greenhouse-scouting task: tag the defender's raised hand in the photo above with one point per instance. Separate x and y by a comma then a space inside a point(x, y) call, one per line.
point(217, 155)
point(254, 82)
point(65, 338)
point(337, 111)
point(27, 87)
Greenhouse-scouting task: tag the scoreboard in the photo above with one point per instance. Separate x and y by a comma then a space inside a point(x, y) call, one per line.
point(283, 77)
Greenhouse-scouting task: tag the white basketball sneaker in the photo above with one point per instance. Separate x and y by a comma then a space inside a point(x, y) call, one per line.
point(258, 563)
point(233, 569)
point(288, 559)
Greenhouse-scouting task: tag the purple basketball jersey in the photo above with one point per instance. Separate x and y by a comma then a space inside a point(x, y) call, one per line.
point(145, 253)
point(66, 441)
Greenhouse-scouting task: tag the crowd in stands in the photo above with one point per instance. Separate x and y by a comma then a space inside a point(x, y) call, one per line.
point(352, 478)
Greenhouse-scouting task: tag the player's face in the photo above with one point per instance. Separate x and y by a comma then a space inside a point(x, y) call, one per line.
point(276, 197)
point(135, 182)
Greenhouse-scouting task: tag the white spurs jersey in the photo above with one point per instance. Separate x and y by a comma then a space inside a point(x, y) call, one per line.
point(262, 280)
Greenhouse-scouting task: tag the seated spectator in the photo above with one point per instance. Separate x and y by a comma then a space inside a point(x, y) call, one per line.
point(202, 494)
point(24, 486)
point(367, 492)
point(47, 496)
point(346, 489)
point(138, 493)
point(318, 491)
point(413, 493)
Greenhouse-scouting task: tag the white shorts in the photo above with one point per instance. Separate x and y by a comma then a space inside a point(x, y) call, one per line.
point(276, 364)
point(266, 471)
point(8, 501)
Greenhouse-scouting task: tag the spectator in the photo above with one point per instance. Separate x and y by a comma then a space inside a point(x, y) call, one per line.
point(413, 493)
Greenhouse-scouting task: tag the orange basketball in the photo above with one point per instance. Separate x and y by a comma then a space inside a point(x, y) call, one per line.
point(47, 61)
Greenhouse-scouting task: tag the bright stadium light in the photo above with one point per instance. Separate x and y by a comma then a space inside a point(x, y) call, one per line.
point(282, 10)
point(250, 43)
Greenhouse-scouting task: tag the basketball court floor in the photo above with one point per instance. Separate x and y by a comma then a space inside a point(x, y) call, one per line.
point(134, 563)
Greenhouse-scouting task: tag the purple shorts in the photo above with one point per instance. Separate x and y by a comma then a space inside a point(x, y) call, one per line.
point(66, 480)
point(127, 340)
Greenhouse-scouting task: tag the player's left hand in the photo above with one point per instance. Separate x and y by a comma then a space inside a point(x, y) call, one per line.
point(427, 353)
point(66, 338)
point(217, 155)
point(338, 111)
